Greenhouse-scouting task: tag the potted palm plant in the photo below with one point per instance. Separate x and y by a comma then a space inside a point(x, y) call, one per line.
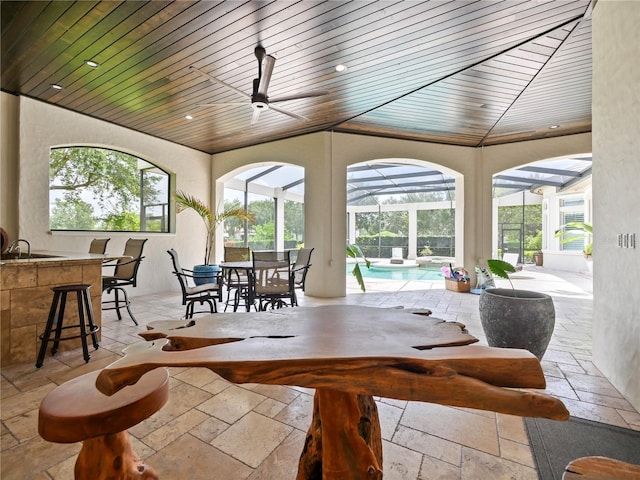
point(205, 273)
point(514, 318)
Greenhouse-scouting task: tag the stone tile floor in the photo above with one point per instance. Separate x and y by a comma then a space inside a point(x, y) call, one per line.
point(212, 429)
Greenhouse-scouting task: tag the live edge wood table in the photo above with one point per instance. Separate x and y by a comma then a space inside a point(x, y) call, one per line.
point(348, 354)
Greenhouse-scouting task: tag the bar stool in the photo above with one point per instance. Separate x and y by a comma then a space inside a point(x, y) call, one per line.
point(56, 318)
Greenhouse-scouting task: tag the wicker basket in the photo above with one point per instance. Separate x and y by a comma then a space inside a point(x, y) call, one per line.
point(456, 286)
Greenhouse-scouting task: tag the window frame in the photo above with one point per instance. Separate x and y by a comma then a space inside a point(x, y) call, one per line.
point(168, 221)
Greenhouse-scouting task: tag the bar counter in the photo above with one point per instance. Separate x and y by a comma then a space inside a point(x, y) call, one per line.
point(25, 297)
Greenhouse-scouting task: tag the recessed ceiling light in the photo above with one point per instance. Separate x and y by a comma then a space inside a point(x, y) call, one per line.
point(554, 126)
point(341, 68)
point(188, 117)
point(55, 86)
point(91, 63)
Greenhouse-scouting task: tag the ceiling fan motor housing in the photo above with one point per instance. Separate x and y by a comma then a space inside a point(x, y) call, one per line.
point(259, 101)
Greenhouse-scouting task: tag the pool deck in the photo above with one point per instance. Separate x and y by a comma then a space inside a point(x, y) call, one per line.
point(552, 282)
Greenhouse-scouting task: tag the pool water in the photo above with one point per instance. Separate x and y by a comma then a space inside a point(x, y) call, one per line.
point(399, 273)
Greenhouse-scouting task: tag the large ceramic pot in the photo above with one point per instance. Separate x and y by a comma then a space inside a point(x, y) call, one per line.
point(205, 274)
point(517, 319)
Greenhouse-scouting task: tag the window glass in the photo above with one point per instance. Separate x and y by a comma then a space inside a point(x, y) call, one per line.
point(293, 224)
point(264, 230)
point(100, 189)
point(572, 210)
point(578, 243)
point(234, 228)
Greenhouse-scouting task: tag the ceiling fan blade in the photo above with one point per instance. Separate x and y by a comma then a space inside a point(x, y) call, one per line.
point(315, 93)
point(255, 116)
point(244, 104)
point(267, 69)
point(215, 80)
point(287, 112)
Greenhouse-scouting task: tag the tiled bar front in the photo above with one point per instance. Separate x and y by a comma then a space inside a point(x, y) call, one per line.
point(25, 300)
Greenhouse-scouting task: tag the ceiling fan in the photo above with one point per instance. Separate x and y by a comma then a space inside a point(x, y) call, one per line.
point(260, 101)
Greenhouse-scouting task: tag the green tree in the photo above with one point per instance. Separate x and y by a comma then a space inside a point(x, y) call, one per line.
point(263, 211)
point(439, 222)
point(108, 175)
point(293, 220)
point(72, 213)
point(367, 223)
point(265, 232)
point(397, 222)
point(532, 219)
point(126, 221)
point(233, 226)
point(109, 180)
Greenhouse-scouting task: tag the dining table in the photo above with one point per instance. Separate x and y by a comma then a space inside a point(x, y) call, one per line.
point(239, 269)
point(348, 354)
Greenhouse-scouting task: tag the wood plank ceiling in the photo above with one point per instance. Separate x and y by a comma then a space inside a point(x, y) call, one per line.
point(458, 72)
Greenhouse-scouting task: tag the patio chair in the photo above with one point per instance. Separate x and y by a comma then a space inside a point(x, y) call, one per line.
point(236, 280)
point(98, 245)
point(301, 267)
point(124, 274)
point(272, 280)
point(207, 293)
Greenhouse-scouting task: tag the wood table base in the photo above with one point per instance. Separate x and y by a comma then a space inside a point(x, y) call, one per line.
point(344, 440)
point(110, 457)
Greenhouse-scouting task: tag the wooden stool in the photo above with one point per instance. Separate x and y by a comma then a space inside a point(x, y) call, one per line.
point(56, 318)
point(600, 468)
point(76, 411)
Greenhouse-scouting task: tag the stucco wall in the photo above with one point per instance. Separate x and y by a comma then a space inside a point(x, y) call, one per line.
point(9, 161)
point(616, 195)
point(326, 156)
point(325, 228)
point(43, 126)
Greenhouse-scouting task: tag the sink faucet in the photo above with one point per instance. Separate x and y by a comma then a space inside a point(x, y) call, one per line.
point(15, 247)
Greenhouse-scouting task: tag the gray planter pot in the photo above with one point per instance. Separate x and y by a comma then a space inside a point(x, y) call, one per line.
point(521, 320)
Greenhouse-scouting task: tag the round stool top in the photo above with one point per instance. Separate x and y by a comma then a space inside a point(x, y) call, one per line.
point(77, 410)
point(71, 288)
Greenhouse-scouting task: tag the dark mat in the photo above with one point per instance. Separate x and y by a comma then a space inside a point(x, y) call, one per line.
point(554, 444)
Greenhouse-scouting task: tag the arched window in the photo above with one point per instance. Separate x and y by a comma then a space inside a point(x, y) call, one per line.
point(105, 190)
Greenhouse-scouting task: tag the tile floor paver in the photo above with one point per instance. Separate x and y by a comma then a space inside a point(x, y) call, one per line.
point(215, 430)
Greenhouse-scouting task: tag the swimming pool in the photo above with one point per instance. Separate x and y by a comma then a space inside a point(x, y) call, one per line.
point(399, 273)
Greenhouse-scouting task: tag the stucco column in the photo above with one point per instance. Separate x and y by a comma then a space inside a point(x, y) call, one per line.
point(279, 220)
point(325, 207)
point(325, 200)
point(474, 215)
point(616, 170)
point(413, 232)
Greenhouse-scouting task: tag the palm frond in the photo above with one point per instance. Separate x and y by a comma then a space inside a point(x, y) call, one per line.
point(239, 213)
point(574, 231)
point(185, 201)
point(354, 252)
